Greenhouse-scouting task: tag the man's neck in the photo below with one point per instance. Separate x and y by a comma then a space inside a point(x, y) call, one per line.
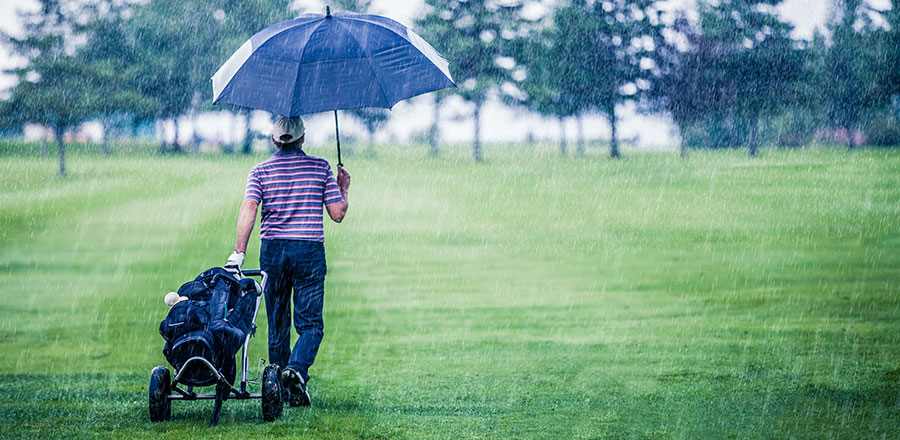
point(289, 152)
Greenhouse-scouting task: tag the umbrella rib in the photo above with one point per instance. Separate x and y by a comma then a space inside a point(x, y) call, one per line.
point(365, 19)
point(300, 63)
point(288, 25)
point(384, 95)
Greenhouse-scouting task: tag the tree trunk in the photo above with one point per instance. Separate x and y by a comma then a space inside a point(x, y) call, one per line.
point(45, 149)
point(434, 134)
point(161, 130)
point(104, 143)
point(176, 146)
point(228, 146)
point(247, 146)
point(850, 143)
point(60, 133)
point(579, 133)
point(476, 146)
point(753, 141)
point(371, 148)
point(614, 133)
point(195, 138)
point(682, 144)
point(164, 146)
point(563, 147)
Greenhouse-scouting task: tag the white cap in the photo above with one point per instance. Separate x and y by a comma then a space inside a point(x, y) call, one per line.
point(287, 130)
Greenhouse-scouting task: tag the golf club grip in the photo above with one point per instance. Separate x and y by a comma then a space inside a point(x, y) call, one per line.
point(252, 272)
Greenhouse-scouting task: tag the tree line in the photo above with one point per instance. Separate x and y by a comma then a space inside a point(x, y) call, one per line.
point(730, 75)
point(733, 76)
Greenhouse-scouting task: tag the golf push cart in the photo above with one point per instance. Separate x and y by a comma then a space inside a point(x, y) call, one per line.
point(213, 316)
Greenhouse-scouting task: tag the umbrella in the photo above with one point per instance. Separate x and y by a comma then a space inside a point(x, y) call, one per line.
point(316, 63)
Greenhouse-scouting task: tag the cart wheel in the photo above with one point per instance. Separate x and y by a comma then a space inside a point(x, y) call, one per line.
point(272, 404)
point(160, 386)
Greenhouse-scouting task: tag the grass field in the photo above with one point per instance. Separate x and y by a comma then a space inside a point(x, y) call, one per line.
point(530, 296)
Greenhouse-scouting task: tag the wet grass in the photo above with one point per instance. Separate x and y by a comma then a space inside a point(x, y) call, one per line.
point(530, 296)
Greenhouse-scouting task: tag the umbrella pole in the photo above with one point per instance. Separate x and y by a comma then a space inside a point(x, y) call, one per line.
point(337, 137)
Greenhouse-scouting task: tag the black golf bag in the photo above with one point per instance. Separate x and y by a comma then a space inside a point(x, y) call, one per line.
point(212, 324)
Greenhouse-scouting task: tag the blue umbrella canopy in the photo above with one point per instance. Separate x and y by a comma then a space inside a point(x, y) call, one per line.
point(317, 63)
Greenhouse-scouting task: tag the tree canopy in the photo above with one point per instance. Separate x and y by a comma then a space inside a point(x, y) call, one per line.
point(741, 65)
point(478, 38)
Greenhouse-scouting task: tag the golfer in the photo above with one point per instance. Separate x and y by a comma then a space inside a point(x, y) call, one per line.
point(292, 187)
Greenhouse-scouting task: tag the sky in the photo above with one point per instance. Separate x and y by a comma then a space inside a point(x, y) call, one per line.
point(500, 123)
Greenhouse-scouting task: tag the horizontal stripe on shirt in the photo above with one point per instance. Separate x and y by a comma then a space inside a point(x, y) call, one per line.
point(292, 189)
point(293, 236)
point(294, 170)
point(287, 205)
point(306, 183)
point(292, 224)
point(287, 215)
point(303, 198)
point(293, 228)
point(289, 167)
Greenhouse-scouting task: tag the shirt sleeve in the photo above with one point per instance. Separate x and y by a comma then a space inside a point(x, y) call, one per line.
point(332, 191)
point(254, 188)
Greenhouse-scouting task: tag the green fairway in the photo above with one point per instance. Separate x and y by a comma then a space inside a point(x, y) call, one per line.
point(529, 296)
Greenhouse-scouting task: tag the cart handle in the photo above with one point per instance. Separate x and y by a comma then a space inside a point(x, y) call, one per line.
point(253, 273)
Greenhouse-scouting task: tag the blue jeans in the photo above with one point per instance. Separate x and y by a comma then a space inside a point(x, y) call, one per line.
point(298, 266)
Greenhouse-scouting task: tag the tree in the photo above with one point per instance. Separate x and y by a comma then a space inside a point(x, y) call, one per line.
point(888, 47)
point(695, 82)
point(10, 122)
point(544, 82)
point(607, 54)
point(805, 115)
point(741, 67)
point(55, 99)
point(475, 36)
point(853, 67)
point(434, 132)
point(675, 93)
point(50, 87)
point(173, 69)
point(108, 52)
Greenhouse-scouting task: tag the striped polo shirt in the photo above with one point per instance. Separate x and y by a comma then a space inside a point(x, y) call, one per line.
point(292, 188)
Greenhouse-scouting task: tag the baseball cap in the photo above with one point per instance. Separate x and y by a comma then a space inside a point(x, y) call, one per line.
point(287, 129)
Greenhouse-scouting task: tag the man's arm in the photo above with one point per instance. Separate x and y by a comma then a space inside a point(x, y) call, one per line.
point(246, 219)
point(338, 210)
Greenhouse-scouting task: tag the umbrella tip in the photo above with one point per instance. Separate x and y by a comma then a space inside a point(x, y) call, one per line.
point(328, 11)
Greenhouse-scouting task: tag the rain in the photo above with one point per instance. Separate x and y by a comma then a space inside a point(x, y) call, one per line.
point(494, 218)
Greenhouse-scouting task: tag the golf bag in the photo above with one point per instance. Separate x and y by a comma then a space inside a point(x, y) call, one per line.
point(211, 324)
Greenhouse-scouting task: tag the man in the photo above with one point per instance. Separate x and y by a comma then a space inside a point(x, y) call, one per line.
point(292, 188)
